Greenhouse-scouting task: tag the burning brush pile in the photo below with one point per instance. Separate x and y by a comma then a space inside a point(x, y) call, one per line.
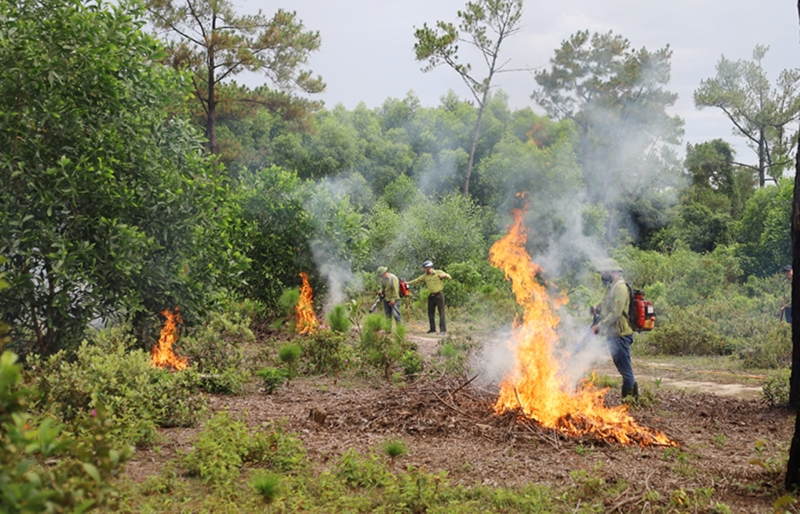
point(536, 387)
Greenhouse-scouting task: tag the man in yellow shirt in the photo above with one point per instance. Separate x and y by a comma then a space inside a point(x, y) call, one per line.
point(434, 281)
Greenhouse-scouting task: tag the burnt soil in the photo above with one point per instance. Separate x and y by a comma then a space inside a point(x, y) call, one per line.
point(449, 424)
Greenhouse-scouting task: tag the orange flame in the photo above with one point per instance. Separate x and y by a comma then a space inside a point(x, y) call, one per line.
point(535, 384)
point(162, 355)
point(307, 321)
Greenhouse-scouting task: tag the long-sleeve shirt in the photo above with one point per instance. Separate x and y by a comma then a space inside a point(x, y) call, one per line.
point(614, 319)
point(390, 287)
point(432, 281)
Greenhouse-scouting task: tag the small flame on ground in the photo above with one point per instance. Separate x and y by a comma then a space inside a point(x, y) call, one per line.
point(162, 355)
point(535, 384)
point(307, 321)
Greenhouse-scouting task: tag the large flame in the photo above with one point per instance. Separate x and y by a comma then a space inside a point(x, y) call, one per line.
point(162, 355)
point(535, 384)
point(307, 321)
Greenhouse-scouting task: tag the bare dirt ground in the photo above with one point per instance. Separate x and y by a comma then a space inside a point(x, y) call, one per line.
point(718, 423)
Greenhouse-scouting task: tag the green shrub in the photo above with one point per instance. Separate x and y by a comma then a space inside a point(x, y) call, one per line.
point(288, 301)
point(139, 398)
point(289, 354)
point(217, 453)
point(358, 471)
point(339, 319)
point(770, 351)
point(382, 346)
point(775, 391)
point(273, 378)
point(43, 468)
point(266, 485)
point(327, 351)
point(686, 333)
point(215, 350)
point(453, 353)
point(395, 448)
point(412, 363)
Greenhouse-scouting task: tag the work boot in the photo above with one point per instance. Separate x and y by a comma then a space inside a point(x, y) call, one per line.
point(636, 390)
point(628, 391)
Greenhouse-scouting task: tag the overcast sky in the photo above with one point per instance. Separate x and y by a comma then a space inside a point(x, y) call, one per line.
point(367, 46)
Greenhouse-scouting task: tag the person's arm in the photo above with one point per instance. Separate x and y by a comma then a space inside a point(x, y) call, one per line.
point(443, 275)
point(420, 279)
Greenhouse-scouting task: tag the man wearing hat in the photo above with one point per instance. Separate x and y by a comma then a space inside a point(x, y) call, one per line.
point(390, 292)
point(614, 323)
point(434, 282)
point(786, 310)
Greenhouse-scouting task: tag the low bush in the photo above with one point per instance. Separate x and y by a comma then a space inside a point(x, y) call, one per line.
point(453, 353)
point(225, 444)
point(290, 354)
point(686, 333)
point(382, 345)
point(775, 391)
point(339, 319)
point(327, 351)
point(215, 350)
point(43, 468)
point(139, 398)
point(273, 378)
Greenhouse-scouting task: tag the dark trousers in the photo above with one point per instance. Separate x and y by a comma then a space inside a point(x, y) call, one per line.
point(620, 347)
point(436, 300)
point(392, 310)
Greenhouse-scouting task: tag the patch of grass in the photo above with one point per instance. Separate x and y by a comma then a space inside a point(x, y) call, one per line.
point(267, 485)
point(719, 440)
point(395, 448)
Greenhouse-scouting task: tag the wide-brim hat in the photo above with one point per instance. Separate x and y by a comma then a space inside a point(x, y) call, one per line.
point(608, 265)
point(382, 270)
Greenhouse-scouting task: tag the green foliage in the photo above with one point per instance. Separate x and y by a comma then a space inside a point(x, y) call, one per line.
point(48, 467)
point(395, 448)
point(138, 397)
point(276, 46)
point(687, 333)
point(764, 234)
point(443, 230)
point(275, 234)
point(326, 351)
point(598, 82)
point(114, 209)
point(287, 302)
point(478, 23)
point(273, 378)
point(339, 319)
point(383, 346)
point(215, 350)
point(267, 485)
point(454, 352)
point(225, 445)
point(759, 112)
point(775, 391)
point(289, 354)
point(412, 363)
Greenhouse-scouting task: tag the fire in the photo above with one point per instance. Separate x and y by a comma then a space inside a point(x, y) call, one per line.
point(307, 321)
point(162, 355)
point(535, 384)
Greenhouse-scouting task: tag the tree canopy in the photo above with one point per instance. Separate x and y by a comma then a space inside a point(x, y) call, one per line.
point(109, 207)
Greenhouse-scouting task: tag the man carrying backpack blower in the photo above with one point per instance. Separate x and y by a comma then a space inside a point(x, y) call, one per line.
point(615, 324)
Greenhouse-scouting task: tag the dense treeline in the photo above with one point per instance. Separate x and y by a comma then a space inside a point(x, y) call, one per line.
point(111, 210)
